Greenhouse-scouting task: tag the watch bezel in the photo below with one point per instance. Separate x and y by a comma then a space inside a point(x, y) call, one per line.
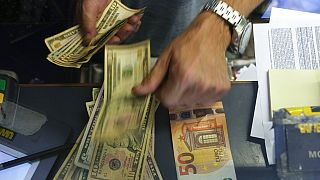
point(245, 37)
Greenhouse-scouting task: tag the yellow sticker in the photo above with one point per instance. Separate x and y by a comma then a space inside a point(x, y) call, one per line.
point(7, 133)
point(1, 98)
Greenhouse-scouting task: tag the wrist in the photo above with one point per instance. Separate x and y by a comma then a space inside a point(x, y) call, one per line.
point(216, 28)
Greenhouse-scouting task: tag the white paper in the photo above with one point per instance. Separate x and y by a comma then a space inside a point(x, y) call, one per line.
point(287, 45)
point(286, 16)
point(21, 172)
point(247, 73)
point(260, 32)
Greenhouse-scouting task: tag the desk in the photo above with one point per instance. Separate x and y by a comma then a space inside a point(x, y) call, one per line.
point(66, 103)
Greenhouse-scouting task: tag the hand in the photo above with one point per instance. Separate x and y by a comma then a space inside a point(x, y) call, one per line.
point(192, 69)
point(91, 10)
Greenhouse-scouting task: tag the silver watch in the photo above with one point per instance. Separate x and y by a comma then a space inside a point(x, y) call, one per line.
point(241, 26)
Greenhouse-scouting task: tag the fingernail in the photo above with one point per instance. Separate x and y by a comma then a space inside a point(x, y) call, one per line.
point(114, 40)
point(137, 87)
point(137, 26)
point(133, 90)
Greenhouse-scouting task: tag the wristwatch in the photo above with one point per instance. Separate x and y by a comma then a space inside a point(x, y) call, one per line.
point(241, 26)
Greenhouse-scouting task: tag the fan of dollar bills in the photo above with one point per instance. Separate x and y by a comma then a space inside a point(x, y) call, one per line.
point(118, 141)
point(67, 48)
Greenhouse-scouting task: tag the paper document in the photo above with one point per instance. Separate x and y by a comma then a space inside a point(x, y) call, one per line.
point(304, 89)
point(279, 17)
point(284, 46)
point(21, 172)
point(287, 16)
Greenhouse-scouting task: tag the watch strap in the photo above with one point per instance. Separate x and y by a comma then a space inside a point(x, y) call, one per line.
point(225, 11)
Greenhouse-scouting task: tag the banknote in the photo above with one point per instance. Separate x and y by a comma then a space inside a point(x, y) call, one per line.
point(151, 171)
point(125, 156)
point(84, 54)
point(133, 57)
point(64, 45)
point(89, 107)
point(126, 66)
point(68, 49)
point(126, 126)
point(73, 173)
point(68, 166)
point(201, 144)
point(86, 147)
point(90, 104)
point(95, 93)
point(152, 138)
point(55, 42)
point(83, 174)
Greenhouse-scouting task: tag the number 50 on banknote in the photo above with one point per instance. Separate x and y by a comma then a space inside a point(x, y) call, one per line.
point(201, 144)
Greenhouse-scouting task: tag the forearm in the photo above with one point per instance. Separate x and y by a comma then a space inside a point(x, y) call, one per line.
point(245, 7)
point(213, 25)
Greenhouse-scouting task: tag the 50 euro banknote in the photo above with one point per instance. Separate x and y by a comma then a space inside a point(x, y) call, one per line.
point(201, 144)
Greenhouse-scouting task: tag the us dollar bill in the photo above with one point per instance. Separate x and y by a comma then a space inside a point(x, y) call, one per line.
point(126, 66)
point(90, 106)
point(84, 154)
point(59, 40)
point(67, 48)
point(151, 171)
point(95, 93)
point(123, 158)
point(68, 166)
point(124, 131)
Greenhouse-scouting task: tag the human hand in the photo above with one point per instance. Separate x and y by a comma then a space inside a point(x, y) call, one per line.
point(192, 69)
point(90, 12)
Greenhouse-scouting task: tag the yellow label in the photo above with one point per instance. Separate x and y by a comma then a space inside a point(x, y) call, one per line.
point(309, 128)
point(6, 133)
point(1, 98)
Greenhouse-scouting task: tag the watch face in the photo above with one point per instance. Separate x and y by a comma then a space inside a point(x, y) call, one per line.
point(245, 37)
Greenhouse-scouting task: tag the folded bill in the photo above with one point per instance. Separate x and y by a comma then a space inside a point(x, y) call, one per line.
point(67, 48)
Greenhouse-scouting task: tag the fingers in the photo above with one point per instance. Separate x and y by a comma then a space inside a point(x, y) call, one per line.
point(173, 93)
point(156, 76)
point(114, 40)
point(122, 34)
point(91, 10)
point(168, 94)
point(130, 27)
point(137, 26)
point(125, 31)
point(134, 20)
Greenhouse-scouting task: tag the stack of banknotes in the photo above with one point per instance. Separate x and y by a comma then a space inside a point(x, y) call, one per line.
point(118, 141)
point(67, 48)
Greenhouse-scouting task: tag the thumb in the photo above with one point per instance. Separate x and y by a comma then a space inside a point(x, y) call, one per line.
point(90, 10)
point(156, 76)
